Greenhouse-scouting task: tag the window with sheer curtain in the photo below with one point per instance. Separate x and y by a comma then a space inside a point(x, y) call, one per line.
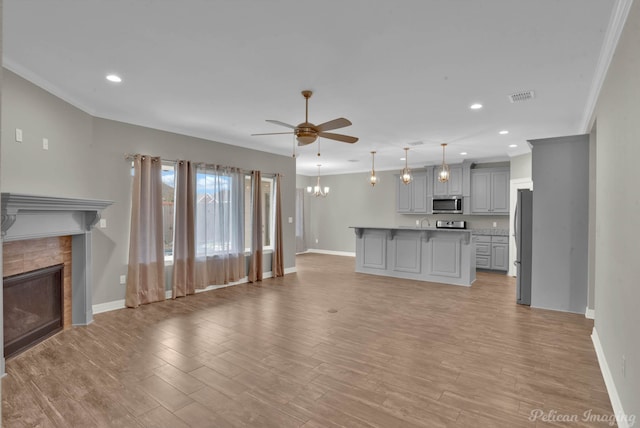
point(219, 226)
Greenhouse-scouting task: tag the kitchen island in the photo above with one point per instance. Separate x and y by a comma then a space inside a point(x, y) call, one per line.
point(424, 254)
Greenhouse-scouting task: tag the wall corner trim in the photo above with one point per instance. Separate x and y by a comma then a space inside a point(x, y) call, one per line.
point(614, 30)
point(621, 416)
point(590, 314)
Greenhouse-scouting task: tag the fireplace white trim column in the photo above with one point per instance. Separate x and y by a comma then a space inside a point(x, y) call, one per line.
point(31, 216)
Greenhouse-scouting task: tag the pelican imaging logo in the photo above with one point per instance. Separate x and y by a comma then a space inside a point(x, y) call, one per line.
point(586, 416)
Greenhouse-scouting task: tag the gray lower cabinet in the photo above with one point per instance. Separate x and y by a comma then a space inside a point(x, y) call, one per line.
point(412, 198)
point(490, 191)
point(492, 252)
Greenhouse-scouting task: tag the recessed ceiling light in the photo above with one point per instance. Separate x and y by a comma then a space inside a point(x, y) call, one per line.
point(513, 145)
point(463, 153)
point(114, 78)
point(503, 132)
point(475, 106)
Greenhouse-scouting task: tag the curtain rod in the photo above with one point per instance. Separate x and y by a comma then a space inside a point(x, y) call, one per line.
point(130, 156)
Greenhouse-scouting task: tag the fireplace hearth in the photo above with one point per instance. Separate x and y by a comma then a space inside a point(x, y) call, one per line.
point(33, 307)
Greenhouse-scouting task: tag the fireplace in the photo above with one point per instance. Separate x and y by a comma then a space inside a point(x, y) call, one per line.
point(31, 217)
point(33, 307)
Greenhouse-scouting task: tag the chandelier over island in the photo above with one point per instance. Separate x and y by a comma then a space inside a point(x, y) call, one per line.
point(373, 179)
point(405, 174)
point(443, 173)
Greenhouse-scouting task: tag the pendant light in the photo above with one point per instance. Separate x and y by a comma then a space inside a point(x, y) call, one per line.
point(317, 190)
point(373, 179)
point(405, 174)
point(443, 173)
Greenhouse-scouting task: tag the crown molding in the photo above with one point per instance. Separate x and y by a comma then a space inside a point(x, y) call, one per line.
point(612, 36)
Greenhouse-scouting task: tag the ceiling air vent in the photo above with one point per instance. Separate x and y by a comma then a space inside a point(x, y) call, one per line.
point(416, 143)
point(521, 96)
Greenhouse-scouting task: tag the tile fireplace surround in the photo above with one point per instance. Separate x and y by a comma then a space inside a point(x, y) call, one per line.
point(30, 217)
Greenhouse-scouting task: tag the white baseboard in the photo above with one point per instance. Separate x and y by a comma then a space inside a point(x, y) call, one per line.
point(332, 253)
point(590, 313)
point(621, 416)
point(119, 304)
point(107, 307)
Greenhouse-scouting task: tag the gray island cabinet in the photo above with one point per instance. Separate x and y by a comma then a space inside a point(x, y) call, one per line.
point(425, 254)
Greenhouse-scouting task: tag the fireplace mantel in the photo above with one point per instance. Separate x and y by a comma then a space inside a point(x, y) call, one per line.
point(31, 216)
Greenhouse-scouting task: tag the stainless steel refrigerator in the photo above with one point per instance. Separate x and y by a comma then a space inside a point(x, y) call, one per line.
point(523, 232)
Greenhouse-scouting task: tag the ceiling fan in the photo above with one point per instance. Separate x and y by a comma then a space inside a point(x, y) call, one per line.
point(307, 133)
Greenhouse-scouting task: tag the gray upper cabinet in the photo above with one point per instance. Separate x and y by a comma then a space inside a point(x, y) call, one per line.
point(412, 198)
point(453, 187)
point(490, 191)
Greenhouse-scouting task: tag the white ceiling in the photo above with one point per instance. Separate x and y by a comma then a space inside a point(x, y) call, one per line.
point(401, 71)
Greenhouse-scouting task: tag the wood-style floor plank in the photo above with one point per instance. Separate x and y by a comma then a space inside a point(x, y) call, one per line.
point(325, 347)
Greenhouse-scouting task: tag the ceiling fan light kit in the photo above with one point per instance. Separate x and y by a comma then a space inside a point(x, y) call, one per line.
point(307, 133)
point(405, 173)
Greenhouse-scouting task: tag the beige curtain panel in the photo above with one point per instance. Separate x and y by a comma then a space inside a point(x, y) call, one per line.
point(145, 274)
point(277, 259)
point(255, 263)
point(184, 246)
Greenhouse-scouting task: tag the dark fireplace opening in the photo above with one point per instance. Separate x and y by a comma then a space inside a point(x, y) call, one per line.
point(33, 307)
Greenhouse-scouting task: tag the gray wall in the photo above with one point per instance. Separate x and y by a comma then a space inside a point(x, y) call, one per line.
point(354, 202)
point(521, 166)
point(86, 160)
point(560, 173)
point(593, 156)
point(617, 291)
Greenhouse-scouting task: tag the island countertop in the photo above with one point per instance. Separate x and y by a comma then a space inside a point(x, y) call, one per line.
point(420, 253)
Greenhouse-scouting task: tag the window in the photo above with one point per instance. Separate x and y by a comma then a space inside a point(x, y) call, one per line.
point(219, 211)
point(168, 197)
point(268, 207)
point(214, 186)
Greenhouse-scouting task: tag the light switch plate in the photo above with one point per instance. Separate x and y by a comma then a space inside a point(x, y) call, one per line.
point(103, 223)
point(123, 279)
point(290, 220)
point(18, 135)
point(45, 144)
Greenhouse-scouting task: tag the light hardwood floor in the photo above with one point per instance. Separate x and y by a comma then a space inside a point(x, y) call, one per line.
point(397, 353)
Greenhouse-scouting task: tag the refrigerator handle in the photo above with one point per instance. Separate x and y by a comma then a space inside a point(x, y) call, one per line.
point(515, 224)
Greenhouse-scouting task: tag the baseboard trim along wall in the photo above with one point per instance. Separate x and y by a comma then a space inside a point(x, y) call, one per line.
point(621, 416)
point(332, 253)
point(590, 313)
point(119, 304)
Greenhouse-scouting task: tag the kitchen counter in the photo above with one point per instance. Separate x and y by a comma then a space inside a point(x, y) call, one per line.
point(424, 254)
point(491, 232)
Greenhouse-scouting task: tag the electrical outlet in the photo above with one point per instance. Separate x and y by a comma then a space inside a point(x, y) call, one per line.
point(290, 220)
point(495, 224)
point(624, 366)
point(45, 144)
point(123, 279)
point(417, 222)
point(103, 223)
point(316, 240)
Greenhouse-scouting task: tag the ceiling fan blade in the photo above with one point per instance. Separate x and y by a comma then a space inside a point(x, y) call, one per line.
point(277, 122)
point(333, 124)
point(272, 133)
point(338, 137)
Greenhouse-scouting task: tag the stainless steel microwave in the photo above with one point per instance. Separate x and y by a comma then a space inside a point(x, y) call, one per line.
point(448, 205)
